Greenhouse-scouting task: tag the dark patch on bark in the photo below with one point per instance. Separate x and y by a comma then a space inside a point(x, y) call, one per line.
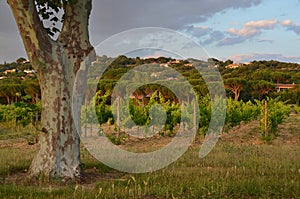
point(25, 3)
point(44, 130)
point(53, 79)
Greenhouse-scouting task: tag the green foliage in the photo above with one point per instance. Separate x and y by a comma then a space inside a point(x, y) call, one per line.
point(238, 111)
point(260, 76)
point(102, 109)
point(11, 90)
point(117, 140)
point(19, 113)
point(205, 113)
point(21, 60)
point(294, 94)
point(279, 77)
point(153, 112)
point(261, 88)
point(277, 111)
point(98, 106)
point(139, 114)
point(235, 85)
point(253, 81)
point(297, 109)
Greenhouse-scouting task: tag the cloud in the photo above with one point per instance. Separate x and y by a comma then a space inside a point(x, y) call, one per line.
point(287, 22)
point(291, 26)
point(213, 37)
point(253, 28)
point(203, 34)
point(10, 41)
point(265, 41)
point(265, 24)
point(111, 17)
point(249, 30)
point(231, 41)
point(11, 48)
point(114, 16)
point(245, 32)
point(264, 56)
point(197, 31)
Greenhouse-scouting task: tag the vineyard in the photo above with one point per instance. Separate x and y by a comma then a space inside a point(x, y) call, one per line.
point(237, 112)
point(160, 115)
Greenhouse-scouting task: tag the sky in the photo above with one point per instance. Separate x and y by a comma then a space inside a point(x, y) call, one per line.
point(240, 30)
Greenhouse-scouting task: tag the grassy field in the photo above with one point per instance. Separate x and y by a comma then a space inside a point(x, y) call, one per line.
point(240, 166)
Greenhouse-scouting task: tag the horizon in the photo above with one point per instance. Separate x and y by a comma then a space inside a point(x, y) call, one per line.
point(156, 57)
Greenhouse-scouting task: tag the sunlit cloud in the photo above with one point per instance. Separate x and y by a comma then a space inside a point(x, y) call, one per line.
point(291, 26)
point(263, 56)
point(250, 30)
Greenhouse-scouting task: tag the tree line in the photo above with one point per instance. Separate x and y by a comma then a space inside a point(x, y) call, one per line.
point(18, 86)
point(255, 80)
point(252, 81)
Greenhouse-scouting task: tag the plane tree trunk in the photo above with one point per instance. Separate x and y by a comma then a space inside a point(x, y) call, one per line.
point(56, 63)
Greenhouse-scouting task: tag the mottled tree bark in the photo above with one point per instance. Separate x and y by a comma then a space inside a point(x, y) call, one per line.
point(56, 63)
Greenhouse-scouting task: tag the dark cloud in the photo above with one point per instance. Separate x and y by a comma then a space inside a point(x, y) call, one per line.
point(231, 41)
point(295, 28)
point(197, 32)
point(11, 46)
point(113, 16)
point(291, 26)
point(7, 22)
point(214, 36)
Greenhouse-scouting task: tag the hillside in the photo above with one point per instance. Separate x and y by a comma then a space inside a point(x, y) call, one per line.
point(243, 81)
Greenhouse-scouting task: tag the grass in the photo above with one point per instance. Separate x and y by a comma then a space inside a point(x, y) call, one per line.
point(228, 172)
point(231, 170)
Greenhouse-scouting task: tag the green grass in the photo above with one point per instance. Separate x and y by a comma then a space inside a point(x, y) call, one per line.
point(7, 132)
point(229, 171)
point(14, 160)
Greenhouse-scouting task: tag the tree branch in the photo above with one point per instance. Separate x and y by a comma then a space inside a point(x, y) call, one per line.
point(75, 34)
point(37, 43)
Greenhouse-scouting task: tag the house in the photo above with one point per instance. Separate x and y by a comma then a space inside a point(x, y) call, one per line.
point(175, 62)
point(28, 71)
point(165, 65)
point(26, 61)
point(188, 65)
point(234, 65)
point(282, 87)
point(10, 71)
